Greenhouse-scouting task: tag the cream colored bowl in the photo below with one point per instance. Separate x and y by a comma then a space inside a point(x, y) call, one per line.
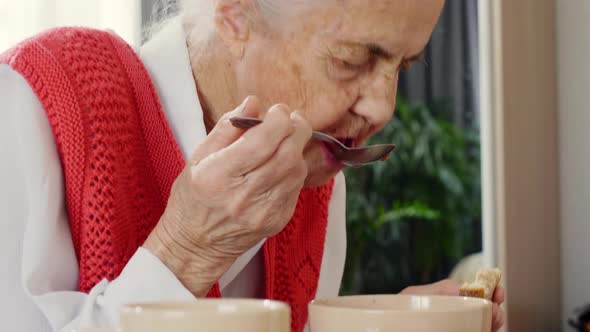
point(207, 315)
point(388, 313)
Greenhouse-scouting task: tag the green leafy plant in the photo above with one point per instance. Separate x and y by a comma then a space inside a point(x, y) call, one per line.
point(411, 218)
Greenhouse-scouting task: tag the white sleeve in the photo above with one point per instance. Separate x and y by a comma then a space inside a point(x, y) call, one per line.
point(334, 257)
point(38, 263)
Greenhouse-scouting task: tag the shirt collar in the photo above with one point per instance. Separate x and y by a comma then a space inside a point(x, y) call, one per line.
point(166, 58)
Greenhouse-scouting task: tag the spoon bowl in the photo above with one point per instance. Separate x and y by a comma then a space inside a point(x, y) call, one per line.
point(355, 157)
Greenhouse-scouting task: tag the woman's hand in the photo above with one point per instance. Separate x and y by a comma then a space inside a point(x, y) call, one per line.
point(450, 288)
point(238, 188)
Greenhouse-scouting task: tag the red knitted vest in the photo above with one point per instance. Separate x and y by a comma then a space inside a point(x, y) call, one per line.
point(120, 159)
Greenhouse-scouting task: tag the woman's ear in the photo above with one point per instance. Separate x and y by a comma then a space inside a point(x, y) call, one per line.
point(232, 25)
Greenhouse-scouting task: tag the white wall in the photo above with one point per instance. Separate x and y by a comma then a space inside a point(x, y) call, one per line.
point(20, 19)
point(573, 31)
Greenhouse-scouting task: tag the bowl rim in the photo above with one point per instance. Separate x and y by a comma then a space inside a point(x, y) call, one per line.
point(476, 304)
point(227, 305)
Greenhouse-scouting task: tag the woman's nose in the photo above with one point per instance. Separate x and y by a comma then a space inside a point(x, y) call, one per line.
point(377, 98)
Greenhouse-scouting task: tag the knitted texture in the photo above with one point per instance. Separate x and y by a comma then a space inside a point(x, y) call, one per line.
point(119, 159)
point(294, 256)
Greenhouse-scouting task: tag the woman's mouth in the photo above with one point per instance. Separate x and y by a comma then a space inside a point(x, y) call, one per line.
point(347, 141)
point(331, 159)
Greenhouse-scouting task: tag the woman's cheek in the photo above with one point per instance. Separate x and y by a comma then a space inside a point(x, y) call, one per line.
point(328, 101)
point(342, 102)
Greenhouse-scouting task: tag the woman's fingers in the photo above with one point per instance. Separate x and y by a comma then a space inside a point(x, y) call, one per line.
point(224, 133)
point(276, 184)
point(258, 144)
point(499, 295)
point(498, 313)
point(303, 131)
point(495, 308)
point(498, 321)
point(286, 170)
point(447, 287)
point(239, 187)
point(444, 287)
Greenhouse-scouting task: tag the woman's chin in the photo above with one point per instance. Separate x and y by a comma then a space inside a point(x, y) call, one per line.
point(316, 180)
point(322, 166)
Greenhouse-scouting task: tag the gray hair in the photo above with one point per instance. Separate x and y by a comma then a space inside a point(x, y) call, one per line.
point(198, 15)
point(161, 12)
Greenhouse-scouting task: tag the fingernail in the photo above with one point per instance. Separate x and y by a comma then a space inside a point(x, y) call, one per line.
point(295, 118)
point(244, 104)
point(295, 114)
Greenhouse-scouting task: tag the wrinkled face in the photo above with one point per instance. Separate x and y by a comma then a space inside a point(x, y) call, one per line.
point(339, 65)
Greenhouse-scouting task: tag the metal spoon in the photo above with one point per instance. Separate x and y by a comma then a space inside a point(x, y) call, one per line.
point(354, 157)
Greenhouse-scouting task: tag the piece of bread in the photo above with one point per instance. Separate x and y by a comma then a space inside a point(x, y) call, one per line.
point(484, 285)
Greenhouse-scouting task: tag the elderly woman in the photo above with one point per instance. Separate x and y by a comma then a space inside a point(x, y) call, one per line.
point(125, 181)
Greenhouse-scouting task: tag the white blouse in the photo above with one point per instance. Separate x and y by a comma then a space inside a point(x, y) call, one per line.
point(38, 285)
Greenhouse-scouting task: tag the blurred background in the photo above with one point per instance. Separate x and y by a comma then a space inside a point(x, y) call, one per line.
point(412, 218)
point(490, 168)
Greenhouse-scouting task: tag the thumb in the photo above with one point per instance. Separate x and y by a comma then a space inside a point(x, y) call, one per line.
point(444, 287)
point(224, 133)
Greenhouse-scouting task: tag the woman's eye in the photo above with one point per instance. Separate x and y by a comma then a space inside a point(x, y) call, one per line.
point(348, 65)
point(344, 69)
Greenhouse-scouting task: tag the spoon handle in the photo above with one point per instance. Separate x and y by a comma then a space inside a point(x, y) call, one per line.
point(244, 122)
point(247, 123)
